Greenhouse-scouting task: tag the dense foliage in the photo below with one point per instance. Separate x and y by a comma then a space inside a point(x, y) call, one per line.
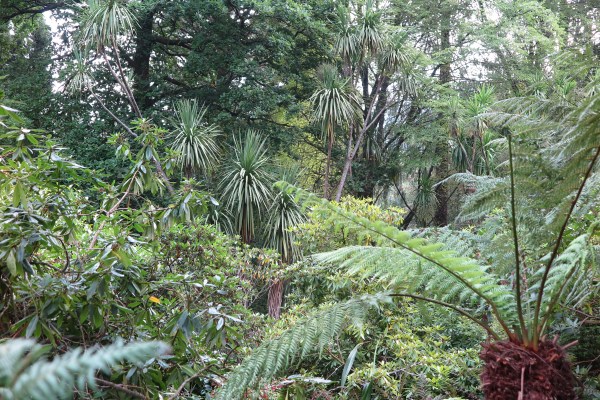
point(146, 250)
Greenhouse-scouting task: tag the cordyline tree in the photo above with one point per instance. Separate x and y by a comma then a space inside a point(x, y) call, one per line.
point(374, 57)
point(104, 27)
point(520, 361)
point(284, 215)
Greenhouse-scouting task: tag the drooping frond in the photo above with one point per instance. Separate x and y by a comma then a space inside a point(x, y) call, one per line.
point(454, 276)
point(401, 270)
point(24, 374)
point(309, 336)
point(562, 139)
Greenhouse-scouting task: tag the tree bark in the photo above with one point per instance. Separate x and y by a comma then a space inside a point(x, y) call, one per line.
point(328, 164)
point(275, 299)
point(370, 119)
point(347, 166)
point(440, 217)
point(141, 60)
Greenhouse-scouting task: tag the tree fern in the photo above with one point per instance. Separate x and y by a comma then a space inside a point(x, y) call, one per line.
point(25, 374)
point(308, 336)
point(406, 266)
point(465, 272)
point(572, 145)
point(413, 267)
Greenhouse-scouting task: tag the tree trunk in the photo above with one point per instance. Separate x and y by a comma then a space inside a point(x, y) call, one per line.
point(347, 166)
point(141, 60)
point(327, 166)
point(440, 217)
point(275, 299)
point(512, 371)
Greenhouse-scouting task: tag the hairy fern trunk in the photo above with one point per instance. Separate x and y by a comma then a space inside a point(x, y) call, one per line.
point(512, 371)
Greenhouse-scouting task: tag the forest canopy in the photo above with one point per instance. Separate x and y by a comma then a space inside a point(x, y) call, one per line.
point(281, 199)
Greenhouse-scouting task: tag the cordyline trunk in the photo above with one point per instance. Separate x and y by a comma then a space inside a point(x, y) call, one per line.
point(328, 166)
point(275, 300)
point(371, 117)
point(512, 371)
point(275, 296)
point(347, 166)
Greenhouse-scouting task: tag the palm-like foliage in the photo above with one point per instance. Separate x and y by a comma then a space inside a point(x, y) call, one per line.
point(346, 44)
point(412, 267)
point(246, 182)
point(102, 23)
point(468, 125)
point(284, 215)
point(311, 334)
point(335, 104)
point(370, 34)
point(25, 374)
point(194, 141)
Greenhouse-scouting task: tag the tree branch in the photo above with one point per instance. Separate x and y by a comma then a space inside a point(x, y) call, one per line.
point(121, 388)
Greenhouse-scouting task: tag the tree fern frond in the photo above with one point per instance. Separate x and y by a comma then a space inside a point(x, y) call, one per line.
point(581, 135)
point(308, 336)
point(24, 375)
point(490, 193)
point(566, 270)
point(439, 262)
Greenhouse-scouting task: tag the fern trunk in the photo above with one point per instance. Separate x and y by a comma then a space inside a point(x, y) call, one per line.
point(512, 371)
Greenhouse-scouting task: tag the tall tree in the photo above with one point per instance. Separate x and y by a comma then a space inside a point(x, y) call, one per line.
point(371, 52)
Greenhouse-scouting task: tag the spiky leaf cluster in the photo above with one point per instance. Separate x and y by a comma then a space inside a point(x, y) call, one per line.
point(246, 182)
point(104, 21)
point(194, 140)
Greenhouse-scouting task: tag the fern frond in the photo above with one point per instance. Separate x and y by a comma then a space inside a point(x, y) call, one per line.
point(490, 193)
point(400, 270)
point(308, 336)
point(440, 263)
point(24, 375)
point(566, 270)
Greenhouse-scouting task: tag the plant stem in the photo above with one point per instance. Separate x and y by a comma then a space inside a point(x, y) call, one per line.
point(452, 307)
point(524, 334)
point(121, 388)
